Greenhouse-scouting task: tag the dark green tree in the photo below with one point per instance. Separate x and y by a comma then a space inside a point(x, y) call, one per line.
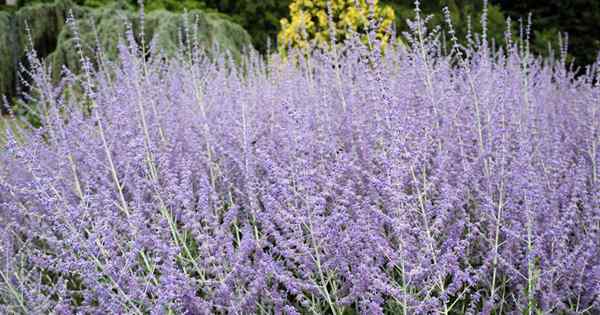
point(260, 18)
point(579, 18)
point(460, 11)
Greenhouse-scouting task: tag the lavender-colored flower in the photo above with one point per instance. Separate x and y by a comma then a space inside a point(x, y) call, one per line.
point(404, 182)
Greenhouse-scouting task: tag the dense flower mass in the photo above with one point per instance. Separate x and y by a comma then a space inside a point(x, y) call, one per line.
point(420, 180)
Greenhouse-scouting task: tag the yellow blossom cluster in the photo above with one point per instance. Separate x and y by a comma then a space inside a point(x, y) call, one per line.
point(309, 21)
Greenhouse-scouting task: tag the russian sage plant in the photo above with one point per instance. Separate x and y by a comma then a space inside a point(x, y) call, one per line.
point(427, 178)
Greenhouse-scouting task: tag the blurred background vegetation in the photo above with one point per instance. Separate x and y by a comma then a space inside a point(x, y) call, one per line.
point(261, 18)
point(260, 22)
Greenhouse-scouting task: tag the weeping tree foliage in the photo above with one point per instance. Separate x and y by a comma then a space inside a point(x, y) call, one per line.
point(162, 27)
point(36, 25)
point(55, 41)
point(259, 18)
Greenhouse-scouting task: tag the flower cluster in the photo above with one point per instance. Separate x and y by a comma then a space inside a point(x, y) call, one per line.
point(318, 22)
point(410, 182)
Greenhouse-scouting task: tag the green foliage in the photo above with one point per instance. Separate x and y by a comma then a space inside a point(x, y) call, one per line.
point(44, 20)
point(173, 5)
point(3, 126)
point(6, 52)
point(259, 18)
point(161, 25)
point(52, 39)
point(580, 19)
point(11, 124)
point(461, 11)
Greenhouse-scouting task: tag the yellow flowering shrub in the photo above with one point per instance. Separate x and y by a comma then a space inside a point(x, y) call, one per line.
point(310, 21)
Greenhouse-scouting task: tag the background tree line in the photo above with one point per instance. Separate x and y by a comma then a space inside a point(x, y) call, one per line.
point(579, 18)
point(261, 18)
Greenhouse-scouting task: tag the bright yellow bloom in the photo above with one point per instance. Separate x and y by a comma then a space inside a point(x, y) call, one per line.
point(309, 22)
